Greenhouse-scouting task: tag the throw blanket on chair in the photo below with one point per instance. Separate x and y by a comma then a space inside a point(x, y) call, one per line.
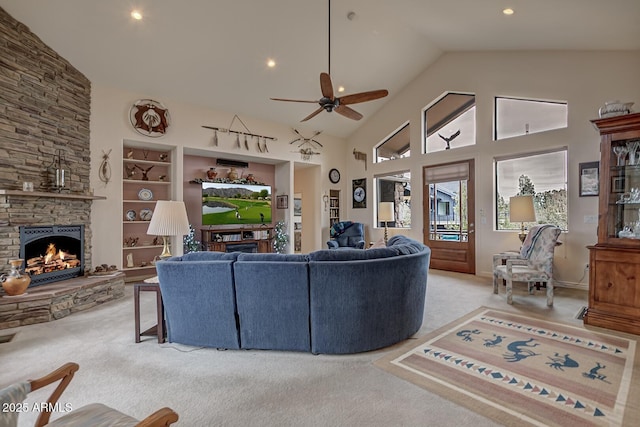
point(531, 238)
point(339, 227)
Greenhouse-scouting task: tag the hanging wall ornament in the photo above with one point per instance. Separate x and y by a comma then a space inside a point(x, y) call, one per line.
point(104, 172)
point(215, 138)
point(149, 117)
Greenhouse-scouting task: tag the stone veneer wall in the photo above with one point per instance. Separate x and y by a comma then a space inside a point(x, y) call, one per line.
point(44, 106)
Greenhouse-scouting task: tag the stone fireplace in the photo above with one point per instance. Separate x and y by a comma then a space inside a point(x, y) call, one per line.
point(45, 114)
point(52, 253)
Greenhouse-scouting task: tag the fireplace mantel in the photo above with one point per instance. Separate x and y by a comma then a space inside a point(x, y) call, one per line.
point(53, 195)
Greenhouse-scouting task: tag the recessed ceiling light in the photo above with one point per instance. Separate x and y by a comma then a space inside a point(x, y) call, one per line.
point(271, 63)
point(340, 89)
point(508, 11)
point(136, 14)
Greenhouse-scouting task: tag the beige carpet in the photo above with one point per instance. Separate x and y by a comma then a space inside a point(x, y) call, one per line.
point(521, 369)
point(258, 388)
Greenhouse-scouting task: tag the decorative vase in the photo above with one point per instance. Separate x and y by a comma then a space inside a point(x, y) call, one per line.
point(15, 283)
point(233, 174)
point(211, 173)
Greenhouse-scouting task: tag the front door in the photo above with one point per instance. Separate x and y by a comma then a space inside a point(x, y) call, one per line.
point(448, 216)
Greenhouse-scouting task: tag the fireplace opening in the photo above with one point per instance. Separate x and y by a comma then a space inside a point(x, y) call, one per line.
point(52, 253)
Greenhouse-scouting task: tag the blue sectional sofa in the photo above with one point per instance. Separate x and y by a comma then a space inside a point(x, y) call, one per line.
point(332, 302)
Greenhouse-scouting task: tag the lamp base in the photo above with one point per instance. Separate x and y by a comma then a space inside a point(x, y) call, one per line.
point(166, 253)
point(522, 236)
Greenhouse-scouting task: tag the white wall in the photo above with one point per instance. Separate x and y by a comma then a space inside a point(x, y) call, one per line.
point(584, 79)
point(110, 126)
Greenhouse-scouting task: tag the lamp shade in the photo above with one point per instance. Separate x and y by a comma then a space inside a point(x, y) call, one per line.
point(521, 209)
point(169, 219)
point(385, 211)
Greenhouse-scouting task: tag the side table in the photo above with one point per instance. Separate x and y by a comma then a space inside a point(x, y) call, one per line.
point(157, 330)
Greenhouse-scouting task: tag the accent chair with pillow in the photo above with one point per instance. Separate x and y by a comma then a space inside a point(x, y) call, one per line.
point(533, 264)
point(346, 235)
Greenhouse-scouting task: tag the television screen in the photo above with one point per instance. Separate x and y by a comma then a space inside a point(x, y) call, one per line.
point(224, 203)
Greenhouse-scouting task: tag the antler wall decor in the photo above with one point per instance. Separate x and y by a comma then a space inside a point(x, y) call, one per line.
point(261, 148)
point(359, 155)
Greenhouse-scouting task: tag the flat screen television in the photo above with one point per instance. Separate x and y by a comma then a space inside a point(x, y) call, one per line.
point(226, 203)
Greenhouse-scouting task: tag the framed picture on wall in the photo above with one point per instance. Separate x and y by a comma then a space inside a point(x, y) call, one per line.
point(359, 193)
point(589, 178)
point(282, 202)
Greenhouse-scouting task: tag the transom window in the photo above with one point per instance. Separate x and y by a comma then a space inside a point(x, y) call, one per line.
point(395, 146)
point(450, 122)
point(517, 117)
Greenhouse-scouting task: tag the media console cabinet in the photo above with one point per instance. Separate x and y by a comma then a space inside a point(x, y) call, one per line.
point(248, 239)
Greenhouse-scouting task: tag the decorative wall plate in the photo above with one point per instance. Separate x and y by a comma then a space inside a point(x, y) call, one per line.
point(146, 214)
point(145, 194)
point(131, 215)
point(149, 117)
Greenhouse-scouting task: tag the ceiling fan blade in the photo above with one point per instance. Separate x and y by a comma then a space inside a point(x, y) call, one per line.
point(347, 112)
point(315, 113)
point(325, 86)
point(363, 96)
point(293, 100)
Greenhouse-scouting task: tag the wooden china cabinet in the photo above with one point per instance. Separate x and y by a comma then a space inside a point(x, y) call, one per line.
point(614, 279)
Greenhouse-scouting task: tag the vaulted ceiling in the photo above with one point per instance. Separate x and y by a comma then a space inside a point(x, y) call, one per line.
point(213, 53)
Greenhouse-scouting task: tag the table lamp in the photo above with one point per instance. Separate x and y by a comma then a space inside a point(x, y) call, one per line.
point(521, 210)
point(169, 219)
point(385, 214)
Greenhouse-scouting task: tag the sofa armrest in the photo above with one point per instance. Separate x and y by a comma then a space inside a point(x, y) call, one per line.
point(332, 244)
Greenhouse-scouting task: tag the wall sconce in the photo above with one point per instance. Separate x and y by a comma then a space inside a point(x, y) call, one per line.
point(521, 210)
point(325, 199)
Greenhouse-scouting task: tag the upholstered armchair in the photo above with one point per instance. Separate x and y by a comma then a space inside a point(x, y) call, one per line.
point(94, 414)
point(346, 235)
point(533, 264)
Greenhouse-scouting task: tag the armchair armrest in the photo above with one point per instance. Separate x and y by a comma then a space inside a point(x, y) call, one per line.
point(64, 373)
point(359, 245)
point(501, 258)
point(515, 261)
point(162, 417)
point(332, 244)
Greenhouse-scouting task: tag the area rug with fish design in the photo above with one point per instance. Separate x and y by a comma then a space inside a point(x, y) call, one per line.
point(520, 369)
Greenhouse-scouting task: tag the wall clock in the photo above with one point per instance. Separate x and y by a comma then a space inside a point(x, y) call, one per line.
point(360, 193)
point(334, 175)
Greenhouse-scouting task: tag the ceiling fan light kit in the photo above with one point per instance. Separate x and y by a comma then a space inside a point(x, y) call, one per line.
point(329, 102)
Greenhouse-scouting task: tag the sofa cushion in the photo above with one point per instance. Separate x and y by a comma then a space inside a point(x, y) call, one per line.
point(352, 254)
point(206, 256)
point(267, 257)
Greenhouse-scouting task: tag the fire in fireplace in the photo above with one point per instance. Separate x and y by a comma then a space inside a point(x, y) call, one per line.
point(52, 253)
